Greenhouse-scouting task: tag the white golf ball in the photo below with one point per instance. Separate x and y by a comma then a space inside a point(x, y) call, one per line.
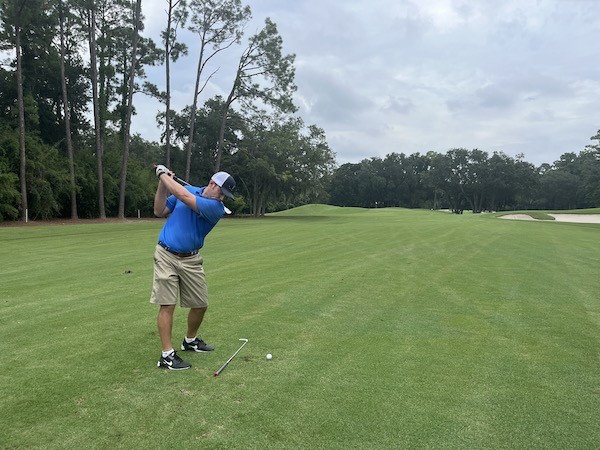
point(269, 356)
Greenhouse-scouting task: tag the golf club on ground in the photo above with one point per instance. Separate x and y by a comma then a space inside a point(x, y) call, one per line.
point(185, 183)
point(232, 356)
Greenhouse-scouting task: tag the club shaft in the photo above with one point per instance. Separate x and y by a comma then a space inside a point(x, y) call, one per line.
point(229, 360)
point(180, 181)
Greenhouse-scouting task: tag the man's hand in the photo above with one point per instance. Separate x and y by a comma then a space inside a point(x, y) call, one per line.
point(160, 169)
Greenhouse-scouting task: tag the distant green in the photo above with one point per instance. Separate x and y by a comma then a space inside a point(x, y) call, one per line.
point(389, 328)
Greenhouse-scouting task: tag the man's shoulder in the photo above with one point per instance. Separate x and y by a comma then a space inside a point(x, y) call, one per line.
point(210, 209)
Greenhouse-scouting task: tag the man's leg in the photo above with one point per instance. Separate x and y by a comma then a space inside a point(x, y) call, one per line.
point(194, 295)
point(195, 317)
point(165, 326)
point(169, 359)
point(192, 341)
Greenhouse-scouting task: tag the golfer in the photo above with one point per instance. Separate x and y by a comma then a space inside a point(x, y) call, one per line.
point(178, 270)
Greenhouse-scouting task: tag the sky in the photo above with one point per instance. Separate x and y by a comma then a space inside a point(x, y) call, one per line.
point(412, 76)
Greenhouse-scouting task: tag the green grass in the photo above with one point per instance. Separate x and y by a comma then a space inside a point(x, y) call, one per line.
point(389, 328)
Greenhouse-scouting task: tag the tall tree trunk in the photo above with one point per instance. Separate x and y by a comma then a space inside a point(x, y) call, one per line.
point(226, 107)
point(168, 117)
point(255, 208)
point(127, 124)
point(168, 87)
point(254, 197)
point(67, 115)
point(91, 16)
point(221, 136)
point(21, 106)
point(188, 161)
point(104, 61)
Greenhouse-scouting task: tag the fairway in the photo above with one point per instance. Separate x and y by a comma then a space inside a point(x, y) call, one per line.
point(389, 328)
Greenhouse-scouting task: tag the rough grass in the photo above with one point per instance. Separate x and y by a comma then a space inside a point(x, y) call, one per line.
point(389, 328)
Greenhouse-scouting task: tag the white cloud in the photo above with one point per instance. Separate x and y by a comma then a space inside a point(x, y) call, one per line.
point(383, 76)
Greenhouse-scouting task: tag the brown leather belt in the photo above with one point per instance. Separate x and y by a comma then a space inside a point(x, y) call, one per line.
point(181, 255)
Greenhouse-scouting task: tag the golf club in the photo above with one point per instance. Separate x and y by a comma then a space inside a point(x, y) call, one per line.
point(185, 183)
point(232, 356)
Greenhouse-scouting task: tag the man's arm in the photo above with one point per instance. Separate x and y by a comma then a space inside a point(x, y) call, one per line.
point(167, 184)
point(160, 200)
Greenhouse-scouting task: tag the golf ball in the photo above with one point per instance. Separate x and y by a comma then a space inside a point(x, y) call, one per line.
point(269, 356)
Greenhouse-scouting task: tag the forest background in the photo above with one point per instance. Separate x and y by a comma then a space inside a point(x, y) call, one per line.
point(67, 98)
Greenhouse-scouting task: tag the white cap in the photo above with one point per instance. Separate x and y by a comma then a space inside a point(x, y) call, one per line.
point(225, 182)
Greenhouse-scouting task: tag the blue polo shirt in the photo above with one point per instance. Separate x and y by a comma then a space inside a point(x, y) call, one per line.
point(185, 229)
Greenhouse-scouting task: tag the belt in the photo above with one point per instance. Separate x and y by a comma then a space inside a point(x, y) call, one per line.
point(182, 255)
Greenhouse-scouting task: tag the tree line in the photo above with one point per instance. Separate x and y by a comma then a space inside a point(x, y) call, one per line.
point(473, 180)
point(68, 92)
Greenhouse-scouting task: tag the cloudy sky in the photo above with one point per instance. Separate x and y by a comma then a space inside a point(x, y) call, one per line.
point(383, 76)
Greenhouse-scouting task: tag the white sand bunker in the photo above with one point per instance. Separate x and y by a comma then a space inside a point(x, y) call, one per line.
point(517, 217)
point(574, 218)
point(578, 218)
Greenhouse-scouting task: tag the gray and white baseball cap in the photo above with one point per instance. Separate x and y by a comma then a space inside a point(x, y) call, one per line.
point(225, 182)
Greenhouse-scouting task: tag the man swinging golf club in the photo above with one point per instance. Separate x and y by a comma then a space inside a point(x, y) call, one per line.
point(178, 267)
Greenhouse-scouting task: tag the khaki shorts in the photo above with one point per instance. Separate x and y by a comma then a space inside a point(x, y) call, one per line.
point(174, 275)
